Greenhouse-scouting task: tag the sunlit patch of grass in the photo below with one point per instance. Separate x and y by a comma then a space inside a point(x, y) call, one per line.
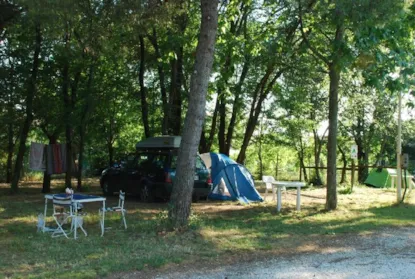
point(215, 229)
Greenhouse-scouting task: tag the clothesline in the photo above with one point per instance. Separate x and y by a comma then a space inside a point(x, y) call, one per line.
point(49, 157)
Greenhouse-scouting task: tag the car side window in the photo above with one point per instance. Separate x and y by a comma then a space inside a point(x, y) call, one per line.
point(159, 161)
point(173, 164)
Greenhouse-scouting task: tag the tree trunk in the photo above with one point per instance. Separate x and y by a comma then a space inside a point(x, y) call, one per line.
point(143, 90)
point(260, 94)
point(261, 165)
point(183, 184)
point(10, 151)
point(236, 106)
point(67, 101)
point(83, 126)
point(331, 202)
point(344, 160)
point(46, 176)
point(110, 153)
point(317, 152)
point(164, 124)
point(301, 159)
point(222, 122)
point(213, 126)
point(31, 92)
point(277, 166)
point(81, 156)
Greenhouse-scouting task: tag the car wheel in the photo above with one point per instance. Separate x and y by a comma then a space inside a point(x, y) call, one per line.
point(145, 194)
point(106, 189)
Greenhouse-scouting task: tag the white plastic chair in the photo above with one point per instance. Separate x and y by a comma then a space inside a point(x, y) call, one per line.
point(269, 180)
point(117, 209)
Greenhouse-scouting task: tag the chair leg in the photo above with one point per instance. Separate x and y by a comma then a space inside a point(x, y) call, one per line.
point(59, 231)
point(77, 223)
point(123, 217)
point(81, 225)
point(101, 222)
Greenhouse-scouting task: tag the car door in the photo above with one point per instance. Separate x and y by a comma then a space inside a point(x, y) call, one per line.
point(131, 175)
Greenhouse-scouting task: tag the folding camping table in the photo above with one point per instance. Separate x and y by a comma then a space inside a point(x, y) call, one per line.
point(79, 198)
point(289, 184)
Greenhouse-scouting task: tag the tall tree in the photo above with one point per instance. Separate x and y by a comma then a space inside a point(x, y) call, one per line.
point(30, 94)
point(339, 25)
point(183, 184)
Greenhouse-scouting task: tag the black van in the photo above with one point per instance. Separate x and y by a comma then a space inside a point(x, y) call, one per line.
point(150, 172)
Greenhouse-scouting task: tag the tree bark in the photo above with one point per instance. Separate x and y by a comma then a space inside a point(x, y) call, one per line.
point(260, 94)
point(143, 90)
point(10, 151)
point(236, 106)
point(344, 160)
point(222, 122)
point(213, 126)
point(46, 176)
point(31, 92)
point(67, 101)
point(331, 202)
point(164, 124)
point(277, 166)
point(83, 126)
point(183, 184)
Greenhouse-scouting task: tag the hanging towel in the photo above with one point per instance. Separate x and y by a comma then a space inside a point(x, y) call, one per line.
point(37, 160)
point(56, 158)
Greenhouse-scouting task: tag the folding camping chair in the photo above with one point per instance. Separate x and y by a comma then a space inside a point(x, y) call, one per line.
point(64, 208)
point(117, 209)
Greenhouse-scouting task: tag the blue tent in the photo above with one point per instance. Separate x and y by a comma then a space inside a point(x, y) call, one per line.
point(231, 181)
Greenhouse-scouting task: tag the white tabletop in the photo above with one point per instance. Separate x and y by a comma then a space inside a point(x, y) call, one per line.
point(290, 183)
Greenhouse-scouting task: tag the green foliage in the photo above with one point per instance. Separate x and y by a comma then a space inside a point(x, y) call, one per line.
point(103, 53)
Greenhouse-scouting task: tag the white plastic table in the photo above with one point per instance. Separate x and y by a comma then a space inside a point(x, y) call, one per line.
point(79, 198)
point(289, 184)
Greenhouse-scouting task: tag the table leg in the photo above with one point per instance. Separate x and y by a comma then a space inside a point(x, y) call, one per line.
point(298, 198)
point(103, 219)
point(75, 222)
point(278, 198)
point(44, 215)
point(273, 192)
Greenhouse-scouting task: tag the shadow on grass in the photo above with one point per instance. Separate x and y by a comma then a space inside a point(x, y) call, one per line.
point(215, 229)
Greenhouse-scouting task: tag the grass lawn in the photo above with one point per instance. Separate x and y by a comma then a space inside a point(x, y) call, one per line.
point(218, 231)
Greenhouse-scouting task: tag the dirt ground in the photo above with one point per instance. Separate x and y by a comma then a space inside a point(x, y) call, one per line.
point(389, 253)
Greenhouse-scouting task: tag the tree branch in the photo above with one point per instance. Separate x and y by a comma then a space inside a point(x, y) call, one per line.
point(313, 50)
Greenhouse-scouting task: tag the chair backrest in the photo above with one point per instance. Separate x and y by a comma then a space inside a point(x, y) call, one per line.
point(60, 202)
point(268, 181)
point(121, 199)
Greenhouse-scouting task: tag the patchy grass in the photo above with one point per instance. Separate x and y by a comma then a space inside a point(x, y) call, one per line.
point(216, 229)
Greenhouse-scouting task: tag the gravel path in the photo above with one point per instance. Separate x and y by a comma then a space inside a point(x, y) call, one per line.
point(386, 254)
